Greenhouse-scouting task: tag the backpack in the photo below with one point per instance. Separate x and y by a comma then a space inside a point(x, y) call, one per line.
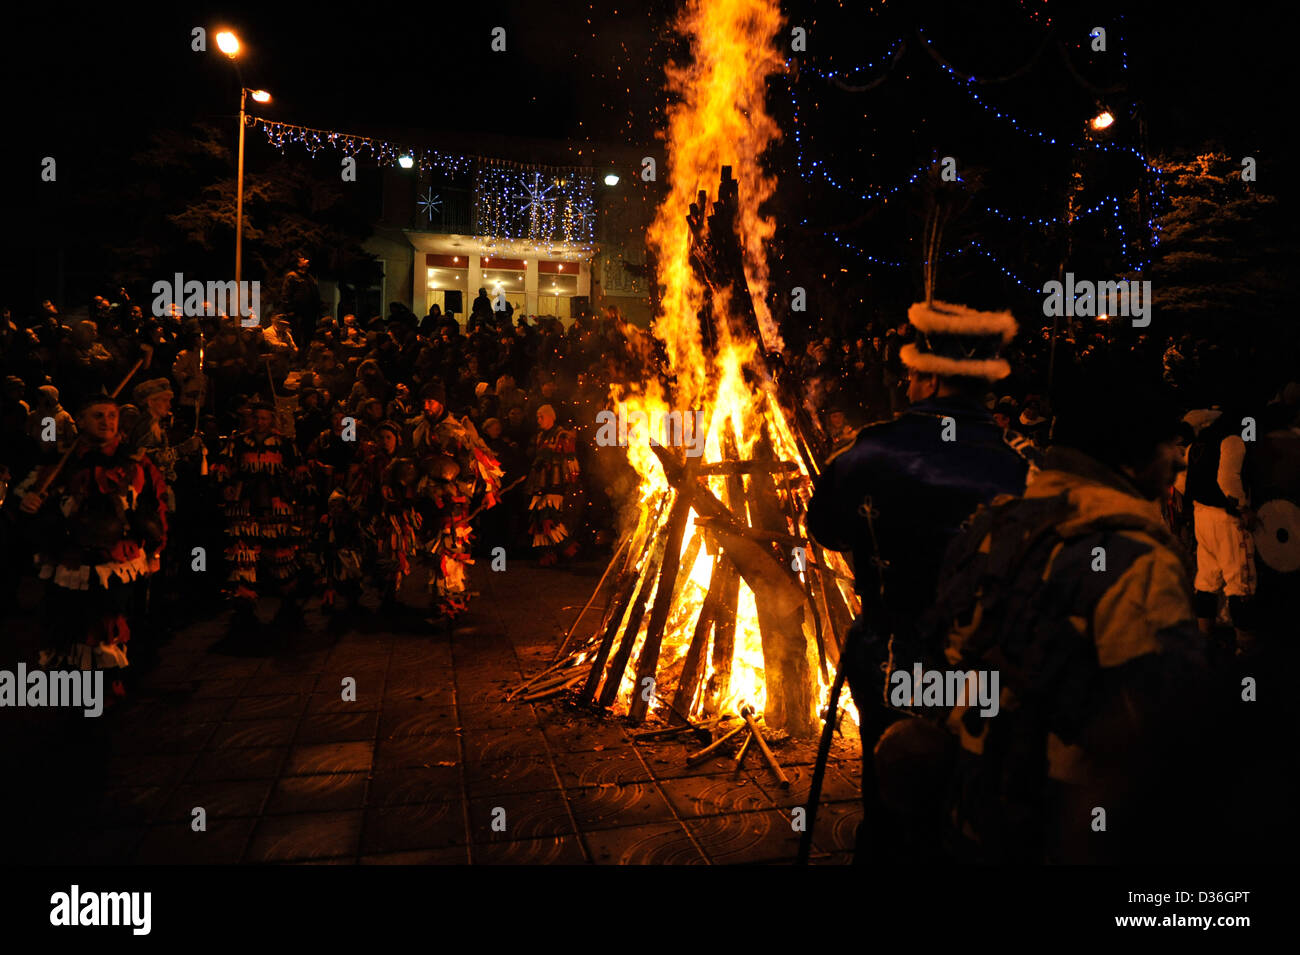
point(996, 612)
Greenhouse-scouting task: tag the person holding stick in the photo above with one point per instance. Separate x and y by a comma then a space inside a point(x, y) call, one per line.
point(99, 521)
point(899, 494)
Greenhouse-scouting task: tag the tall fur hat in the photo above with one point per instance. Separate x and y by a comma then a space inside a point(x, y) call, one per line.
point(954, 340)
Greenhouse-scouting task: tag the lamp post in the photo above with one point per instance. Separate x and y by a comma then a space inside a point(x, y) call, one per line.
point(229, 44)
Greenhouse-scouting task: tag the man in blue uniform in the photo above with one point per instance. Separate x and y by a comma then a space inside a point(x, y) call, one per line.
point(900, 493)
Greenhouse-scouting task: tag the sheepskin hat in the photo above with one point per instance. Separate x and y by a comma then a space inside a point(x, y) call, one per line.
point(953, 340)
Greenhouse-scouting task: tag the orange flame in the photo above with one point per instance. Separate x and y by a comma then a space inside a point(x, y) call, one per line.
point(718, 118)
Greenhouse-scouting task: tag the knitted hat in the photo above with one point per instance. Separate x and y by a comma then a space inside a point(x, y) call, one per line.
point(96, 399)
point(953, 340)
point(147, 389)
point(436, 390)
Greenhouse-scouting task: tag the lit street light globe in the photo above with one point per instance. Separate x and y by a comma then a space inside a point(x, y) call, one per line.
point(261, 96)
point(1102, 120)
point(228, 43)
point(611, 179)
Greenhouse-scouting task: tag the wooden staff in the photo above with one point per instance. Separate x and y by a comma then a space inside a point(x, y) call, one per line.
point(748, 713)
point(67, 455)
point(473, 514)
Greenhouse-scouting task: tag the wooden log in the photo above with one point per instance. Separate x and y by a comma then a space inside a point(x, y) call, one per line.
point(746, 467)
point(689, 557)
point(702, 755)
point(765, 574)
point(724, 635)
point(793, 509)
point(771, 537)
point(648, 663)
point(693, 666)
point(650, 575)
point(748, 713)
point(724, 629)
point(790, 690)
point(623, 596)
point(552, 690)
point(627, 589)
point(840, 615)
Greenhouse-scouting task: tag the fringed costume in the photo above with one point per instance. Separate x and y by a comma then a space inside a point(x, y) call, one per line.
point(98, 536)
point(341, 544)
point(553, 482)
point(397, 526)
point(456, 468)
point(266, 486)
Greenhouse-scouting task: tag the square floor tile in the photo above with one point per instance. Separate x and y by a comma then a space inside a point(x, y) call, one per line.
point(552, 850)
point(330, 758)
point(320, 793)
point(503, 817)
point(238, 764)
point(337, 727)
point(424, 826)
point(483, 744)
point(414, 785)
point(714, 795)
point(661, 844)
point(590, 768)
point(244, 734)
point(410, 751)
point(746, 837)
point(178, 844)
point(626, 804)
point(315, 835)
point(220, 799)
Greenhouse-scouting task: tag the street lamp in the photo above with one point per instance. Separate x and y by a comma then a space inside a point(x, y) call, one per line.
point(229, 44)
point(259, 96)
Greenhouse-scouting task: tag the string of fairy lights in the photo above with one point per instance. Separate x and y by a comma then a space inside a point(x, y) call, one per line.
point(512, 200)
point(875, 71)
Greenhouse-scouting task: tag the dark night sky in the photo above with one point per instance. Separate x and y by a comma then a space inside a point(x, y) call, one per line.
point(89, 86)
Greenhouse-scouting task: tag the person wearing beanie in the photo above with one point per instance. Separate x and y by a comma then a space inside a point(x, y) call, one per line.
point(899, 494)
point(49, 424)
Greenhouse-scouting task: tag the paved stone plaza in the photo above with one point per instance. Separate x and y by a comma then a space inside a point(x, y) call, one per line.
point(414, 771)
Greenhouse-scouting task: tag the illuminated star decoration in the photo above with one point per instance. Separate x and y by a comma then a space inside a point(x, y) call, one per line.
point(430, 204)
point(539, 202)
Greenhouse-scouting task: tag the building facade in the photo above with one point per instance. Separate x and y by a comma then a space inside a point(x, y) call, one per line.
point(551, 240)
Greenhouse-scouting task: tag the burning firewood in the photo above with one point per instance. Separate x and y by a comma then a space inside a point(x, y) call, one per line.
point(719, 592)
point(693, 759)
point(748, 713)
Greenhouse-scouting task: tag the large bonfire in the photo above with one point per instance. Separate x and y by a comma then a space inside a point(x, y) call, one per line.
point(717, 600)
